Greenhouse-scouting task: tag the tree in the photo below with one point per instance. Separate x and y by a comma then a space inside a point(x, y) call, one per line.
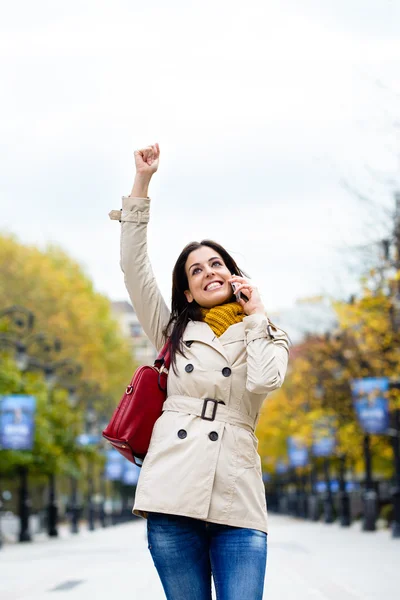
point(66, 306)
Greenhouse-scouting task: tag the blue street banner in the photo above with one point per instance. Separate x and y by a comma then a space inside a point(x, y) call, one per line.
point(114, 466)
point(321, 486)
point(324, 436)
point(350, 486)
point(281, 467)
point(88, 439)
point(130, 473)
point(297, 451)
point(370, 398)
point(17, 422)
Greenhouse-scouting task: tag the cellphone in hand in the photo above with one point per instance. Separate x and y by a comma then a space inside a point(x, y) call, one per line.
point(239, 295)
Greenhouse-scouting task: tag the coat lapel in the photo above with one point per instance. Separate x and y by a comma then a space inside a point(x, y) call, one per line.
point(234, 333)
point(198, 331)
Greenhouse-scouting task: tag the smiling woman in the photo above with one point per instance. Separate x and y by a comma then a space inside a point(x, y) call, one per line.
point(202, 279)
point(201, 478)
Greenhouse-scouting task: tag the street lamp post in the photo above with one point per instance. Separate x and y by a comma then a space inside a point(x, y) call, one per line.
point(24, 506)
point(395, 322)
point(91, 418)
point(34, 353)
point(102, 422)
point(46, 347)
point(90, 505)
point(396, 488)
point(62, 372)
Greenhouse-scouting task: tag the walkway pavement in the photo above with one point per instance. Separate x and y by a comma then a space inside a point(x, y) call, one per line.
point(306, 560)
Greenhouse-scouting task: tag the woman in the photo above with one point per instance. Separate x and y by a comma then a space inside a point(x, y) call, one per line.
point(201, 487)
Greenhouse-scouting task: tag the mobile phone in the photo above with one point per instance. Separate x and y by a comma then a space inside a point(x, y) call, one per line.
point(239, 295)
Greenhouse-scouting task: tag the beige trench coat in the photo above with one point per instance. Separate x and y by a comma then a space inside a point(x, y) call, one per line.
point(197, 467)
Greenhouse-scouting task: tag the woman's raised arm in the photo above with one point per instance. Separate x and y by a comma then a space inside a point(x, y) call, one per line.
point(146, 298)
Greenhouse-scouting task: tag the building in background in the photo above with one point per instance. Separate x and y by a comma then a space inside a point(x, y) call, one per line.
point(308, 316)
point(143, 351)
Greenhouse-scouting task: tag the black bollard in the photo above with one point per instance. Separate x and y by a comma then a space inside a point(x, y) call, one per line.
point(329, 511)
point(102, 515)
point(74, 508)
point(313, 500)
point(52, 509)
point(344, 498)
point(91, 516)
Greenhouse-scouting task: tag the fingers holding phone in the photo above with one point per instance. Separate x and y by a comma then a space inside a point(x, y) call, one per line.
point(247, 295)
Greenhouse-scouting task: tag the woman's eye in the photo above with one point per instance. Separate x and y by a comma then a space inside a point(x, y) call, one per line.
point(217, 263)
point(196, 270)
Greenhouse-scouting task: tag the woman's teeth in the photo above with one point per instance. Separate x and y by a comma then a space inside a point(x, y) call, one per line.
point(213, 286)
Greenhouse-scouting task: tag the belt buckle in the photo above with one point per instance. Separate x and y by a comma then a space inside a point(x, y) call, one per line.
point(214, 412)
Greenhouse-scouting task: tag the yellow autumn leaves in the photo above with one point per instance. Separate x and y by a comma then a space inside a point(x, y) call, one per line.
point(365, 344)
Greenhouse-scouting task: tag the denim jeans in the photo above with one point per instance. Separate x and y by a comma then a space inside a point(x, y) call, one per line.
point(186, 552)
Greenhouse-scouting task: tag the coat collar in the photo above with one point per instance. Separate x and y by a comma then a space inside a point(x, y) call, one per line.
point(199, 331)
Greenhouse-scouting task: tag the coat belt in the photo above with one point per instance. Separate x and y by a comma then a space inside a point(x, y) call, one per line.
point(209, 409)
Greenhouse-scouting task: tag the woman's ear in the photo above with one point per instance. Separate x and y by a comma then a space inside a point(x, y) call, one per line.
point(189, 296)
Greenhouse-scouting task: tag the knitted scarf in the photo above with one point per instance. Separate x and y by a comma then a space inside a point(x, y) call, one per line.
point(219, 318)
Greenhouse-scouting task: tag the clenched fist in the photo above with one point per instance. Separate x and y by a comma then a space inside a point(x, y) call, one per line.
point(147, 160)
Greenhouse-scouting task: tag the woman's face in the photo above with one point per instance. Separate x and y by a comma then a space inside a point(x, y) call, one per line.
point(208, 278)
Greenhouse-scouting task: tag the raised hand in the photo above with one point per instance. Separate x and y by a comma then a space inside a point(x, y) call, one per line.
point(147, 160)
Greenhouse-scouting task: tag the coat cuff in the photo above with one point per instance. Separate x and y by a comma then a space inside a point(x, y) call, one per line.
point(257, 326)
point(135, 210)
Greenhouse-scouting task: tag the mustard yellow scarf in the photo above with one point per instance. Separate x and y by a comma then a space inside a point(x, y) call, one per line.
point(219, 318)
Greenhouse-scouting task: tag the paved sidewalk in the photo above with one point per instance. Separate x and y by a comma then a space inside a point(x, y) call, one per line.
point(306, 560)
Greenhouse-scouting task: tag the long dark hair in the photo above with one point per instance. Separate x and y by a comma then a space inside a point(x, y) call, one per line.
point(183, 311)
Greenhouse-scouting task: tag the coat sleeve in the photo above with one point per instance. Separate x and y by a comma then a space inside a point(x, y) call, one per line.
point(267, 357)
point(146, 298)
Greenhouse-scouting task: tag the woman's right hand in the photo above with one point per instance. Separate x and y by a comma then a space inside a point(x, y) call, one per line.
point(147, 160)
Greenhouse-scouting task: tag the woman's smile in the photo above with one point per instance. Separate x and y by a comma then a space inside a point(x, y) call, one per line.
point(214, 285)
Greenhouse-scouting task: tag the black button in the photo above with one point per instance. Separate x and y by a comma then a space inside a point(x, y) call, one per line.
point(182, 434)
point(213, 436)
point(189, 343)
point(189, 368)
point(226, 371)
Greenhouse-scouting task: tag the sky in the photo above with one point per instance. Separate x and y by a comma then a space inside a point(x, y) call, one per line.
point(264, 111)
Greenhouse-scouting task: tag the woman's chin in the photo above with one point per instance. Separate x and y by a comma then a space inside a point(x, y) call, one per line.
point(216, 300)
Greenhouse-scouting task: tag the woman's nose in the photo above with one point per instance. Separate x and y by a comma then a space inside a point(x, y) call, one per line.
point(209, 270)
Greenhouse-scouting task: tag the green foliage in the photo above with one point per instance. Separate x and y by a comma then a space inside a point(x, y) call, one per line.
point(66, 306)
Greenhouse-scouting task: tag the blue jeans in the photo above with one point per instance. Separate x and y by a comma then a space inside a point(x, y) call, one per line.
point(187, 551)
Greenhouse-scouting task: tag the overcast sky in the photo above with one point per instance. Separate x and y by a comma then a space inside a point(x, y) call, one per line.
point(260, 108)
